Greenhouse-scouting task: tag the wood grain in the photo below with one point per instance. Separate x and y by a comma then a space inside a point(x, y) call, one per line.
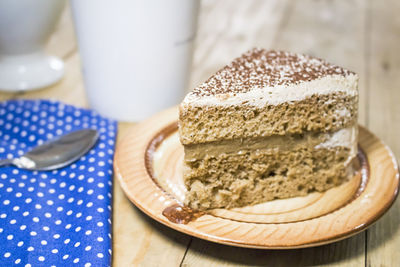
point(383, 239)
point(167, 170)
point(136, 237)
point(362, 35)
point(335, 30)
point(225, 32)
point(63, 43)
point(134, 166)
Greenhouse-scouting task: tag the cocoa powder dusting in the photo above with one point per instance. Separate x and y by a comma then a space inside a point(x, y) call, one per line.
point(260, 68)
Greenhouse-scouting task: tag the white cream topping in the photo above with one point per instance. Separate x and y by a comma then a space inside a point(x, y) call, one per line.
point(346, 137)
point(342, 112)
point(260, 97)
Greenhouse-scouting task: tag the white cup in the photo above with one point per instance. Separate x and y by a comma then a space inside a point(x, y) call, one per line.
point(25, 26)
point(136, 54)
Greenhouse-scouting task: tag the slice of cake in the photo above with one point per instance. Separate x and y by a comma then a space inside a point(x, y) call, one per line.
point(269, 125)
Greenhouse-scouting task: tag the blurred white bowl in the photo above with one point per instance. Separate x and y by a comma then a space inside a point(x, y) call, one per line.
point(25, 26)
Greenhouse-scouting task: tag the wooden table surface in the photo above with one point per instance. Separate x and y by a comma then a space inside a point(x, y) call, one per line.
point(362, 35)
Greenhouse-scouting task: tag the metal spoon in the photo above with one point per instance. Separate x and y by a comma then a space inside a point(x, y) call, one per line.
point(56, 153)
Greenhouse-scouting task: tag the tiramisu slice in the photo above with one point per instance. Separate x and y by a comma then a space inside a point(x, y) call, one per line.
point(269, 125)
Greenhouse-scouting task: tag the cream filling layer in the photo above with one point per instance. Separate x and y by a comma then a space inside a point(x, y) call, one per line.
point(346, 137)
point(261, 97)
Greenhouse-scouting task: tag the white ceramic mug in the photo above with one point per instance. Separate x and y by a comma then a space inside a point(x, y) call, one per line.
point(25, 26)
point(136, 54)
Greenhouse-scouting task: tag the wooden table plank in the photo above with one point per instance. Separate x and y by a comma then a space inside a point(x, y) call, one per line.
point(350, 33)
point(384, 118)
point(139, 240)
point(226, 29)
point(6, 96)
point(63, 42)
point(343, 253)
point(334, 30)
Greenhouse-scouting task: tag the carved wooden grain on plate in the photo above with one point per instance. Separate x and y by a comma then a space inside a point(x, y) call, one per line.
point(148, 163)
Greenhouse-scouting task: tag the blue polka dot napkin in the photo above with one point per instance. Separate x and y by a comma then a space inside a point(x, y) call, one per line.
point(60, 217)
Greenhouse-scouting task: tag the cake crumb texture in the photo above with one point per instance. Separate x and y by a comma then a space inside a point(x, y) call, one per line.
point(269, 125)
point(319, 113)
point(236, 180)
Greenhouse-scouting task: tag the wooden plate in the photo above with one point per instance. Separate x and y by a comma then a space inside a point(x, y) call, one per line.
point(148, 164)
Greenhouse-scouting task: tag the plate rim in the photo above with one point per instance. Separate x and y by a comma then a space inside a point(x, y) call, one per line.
point(167, 117)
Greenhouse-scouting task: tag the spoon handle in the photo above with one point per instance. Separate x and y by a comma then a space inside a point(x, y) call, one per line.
point(5, 162)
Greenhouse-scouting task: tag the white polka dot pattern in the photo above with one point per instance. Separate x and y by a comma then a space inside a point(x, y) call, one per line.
point(60, 217)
